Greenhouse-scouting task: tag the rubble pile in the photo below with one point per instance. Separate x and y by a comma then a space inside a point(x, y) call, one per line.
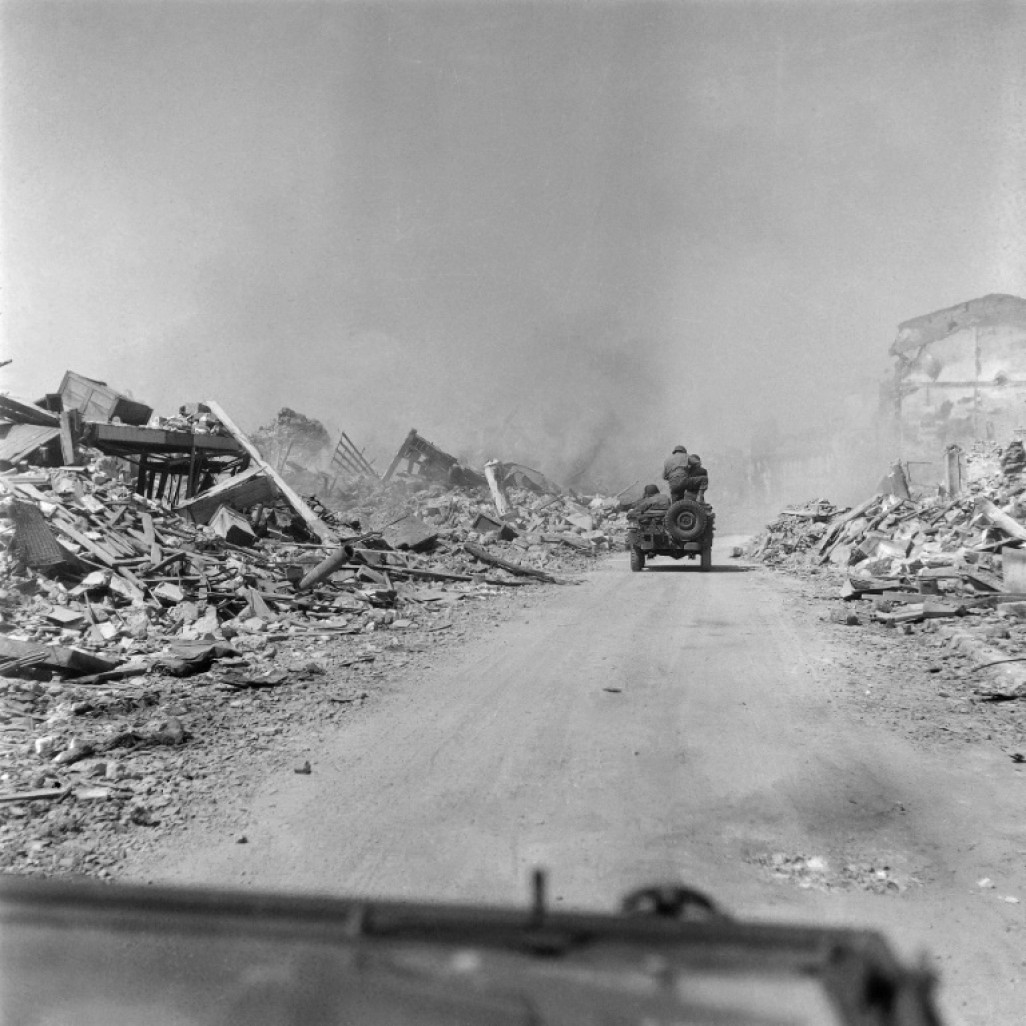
point(797, 530)
point(556, 533)
point(195, 418)
point(919, 558)
point(157, 578)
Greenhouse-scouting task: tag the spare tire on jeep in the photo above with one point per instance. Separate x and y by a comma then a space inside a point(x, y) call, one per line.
point(686, 520)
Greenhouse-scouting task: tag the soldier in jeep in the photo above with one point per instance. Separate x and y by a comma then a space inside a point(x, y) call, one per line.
point(651, 499)
point(675, 471)
point(698, 478)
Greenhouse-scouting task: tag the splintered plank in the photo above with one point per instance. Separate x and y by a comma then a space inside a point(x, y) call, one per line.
point(150, 537)
point(100, 553)
point(126, 543)
point(833, 535)
point(94, 548)
point(40, 794)
point(30, 491)
point(485, 556)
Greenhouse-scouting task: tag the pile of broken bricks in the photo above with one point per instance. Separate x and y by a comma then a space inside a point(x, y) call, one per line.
point(905, 561)
point(126, 623)
point(164, 591)
point(101, 584)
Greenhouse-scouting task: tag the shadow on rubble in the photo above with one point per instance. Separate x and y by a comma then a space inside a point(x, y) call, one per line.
point(680, 568)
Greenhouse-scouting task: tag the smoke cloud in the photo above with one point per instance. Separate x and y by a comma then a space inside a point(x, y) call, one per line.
point(570, 235)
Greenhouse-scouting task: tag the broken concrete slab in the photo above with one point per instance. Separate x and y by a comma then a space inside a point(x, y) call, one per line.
point(1013, 567)
point(991, 514)
point(65, 617)
point(242, 492)
point(410, 533)
point(169, 593)
point(231, 525)
point(583, 521)
point(483, 523)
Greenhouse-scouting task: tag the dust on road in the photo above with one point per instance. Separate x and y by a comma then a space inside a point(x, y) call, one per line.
point(642, 727)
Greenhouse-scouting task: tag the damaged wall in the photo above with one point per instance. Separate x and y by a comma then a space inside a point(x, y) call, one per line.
point(960, 374)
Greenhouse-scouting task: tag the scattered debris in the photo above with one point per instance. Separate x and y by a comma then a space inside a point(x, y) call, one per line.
point(317, 527)
point(426, 462)
point(478, 552)
point(159, 574)
point(933, 556)
point(834, 874)
point(949, 566)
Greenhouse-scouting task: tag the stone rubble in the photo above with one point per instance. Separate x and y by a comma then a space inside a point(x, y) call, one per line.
point(947, 567)
point(141, 652)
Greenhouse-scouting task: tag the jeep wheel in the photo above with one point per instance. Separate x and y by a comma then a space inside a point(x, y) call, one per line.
point(686, 520)
point(637, 559)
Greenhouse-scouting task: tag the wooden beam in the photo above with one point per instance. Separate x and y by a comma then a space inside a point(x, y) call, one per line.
point(150, 538)
point(40, 794)
point(140, 485)
point(317, 526)
point(67, 441)
point(104, 555)
point(485, 556)
point(834, 533)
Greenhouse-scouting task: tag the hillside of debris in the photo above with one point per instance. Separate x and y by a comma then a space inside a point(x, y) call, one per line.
point(163, 587)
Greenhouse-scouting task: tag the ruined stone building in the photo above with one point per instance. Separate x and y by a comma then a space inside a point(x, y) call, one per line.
point(960, 375)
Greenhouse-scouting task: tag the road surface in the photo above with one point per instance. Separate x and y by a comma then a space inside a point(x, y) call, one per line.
point(667, 725)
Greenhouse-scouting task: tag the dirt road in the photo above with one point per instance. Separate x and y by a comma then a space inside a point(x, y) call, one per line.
point(641, 727)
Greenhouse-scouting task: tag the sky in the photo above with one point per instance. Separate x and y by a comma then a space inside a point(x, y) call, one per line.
point(534, 228)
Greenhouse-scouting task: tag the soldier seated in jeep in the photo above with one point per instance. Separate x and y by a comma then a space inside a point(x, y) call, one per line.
point(698, 478)
point(651, 499)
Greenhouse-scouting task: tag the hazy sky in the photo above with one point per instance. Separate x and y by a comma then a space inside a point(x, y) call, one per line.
point(557, 216)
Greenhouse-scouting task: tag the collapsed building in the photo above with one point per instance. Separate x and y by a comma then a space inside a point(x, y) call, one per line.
point(112, 507)
point(168, 459)
point(154, 569)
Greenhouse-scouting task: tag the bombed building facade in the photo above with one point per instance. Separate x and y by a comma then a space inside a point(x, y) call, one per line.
point(960, 375)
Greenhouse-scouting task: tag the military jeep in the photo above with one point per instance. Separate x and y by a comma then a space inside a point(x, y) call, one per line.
point(685, 530)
